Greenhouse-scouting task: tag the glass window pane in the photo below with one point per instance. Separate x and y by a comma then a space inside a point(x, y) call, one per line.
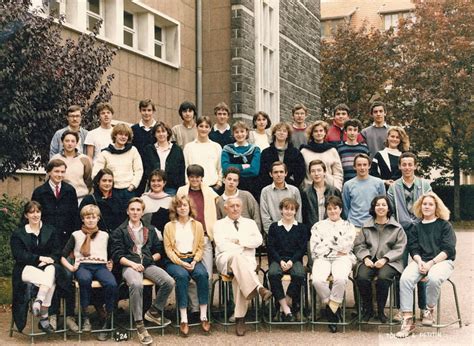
point(158, 33)
point(128, 20)
point(128, 38)
point(94, 6)
point(158, 50)
point(91, 21)
point(54, 8)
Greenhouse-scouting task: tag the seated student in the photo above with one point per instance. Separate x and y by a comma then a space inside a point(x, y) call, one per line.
point(314, 197)
point(185, 132)
point(385, 162)
point(432, 245)
point(157, 201)
point(221, 132)
point(110, 206)
point(165, 155)
point(281, 149)
point(236, 240)
point(379, 248)
point(136, 248)
point(350, 148)
point(331, 251)
point(299, 113)
point(79, 167)
point(287, 242)
point(184, 245)
point(261, 135)
point(36, 252)
point(89, 247)
point(245, 157)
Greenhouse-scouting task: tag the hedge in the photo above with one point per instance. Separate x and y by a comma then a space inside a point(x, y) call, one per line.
point(446, 193)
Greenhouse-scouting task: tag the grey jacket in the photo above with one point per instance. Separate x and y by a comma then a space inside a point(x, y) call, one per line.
point(390, 243)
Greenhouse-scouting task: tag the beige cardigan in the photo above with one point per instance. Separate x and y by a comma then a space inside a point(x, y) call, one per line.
point(169, 240)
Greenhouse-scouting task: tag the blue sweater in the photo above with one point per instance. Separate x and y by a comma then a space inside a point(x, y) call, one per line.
point(230, 160)
point(357, 195)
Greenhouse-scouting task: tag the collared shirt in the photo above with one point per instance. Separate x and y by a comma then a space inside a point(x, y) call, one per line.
point(221, 131)
point(138, 233)
point(29, 230)
point(163, 154)
point(384, 125)
point(184, 237)
point(142, 125)
point(276, 188)
point(225, 197)
point(288, 228)
point(53, 186)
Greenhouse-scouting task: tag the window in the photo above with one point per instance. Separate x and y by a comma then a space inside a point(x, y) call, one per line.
point(391, 19)
point(329, 27)
point(128, 29)
point(94, 14)
point(159, 44)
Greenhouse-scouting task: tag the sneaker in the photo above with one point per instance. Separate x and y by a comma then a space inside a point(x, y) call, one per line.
point(427, 319)
point(71, 324)
point(154, 315)
point(408, 327)
point(232, 318)
point(53, 321)
point(36, 307)
point(398, 317)
point(86, 325)
point(144, 337)
point(288, 318)
point(45, 326)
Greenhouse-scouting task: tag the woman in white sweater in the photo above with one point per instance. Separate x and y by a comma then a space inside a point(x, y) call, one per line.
point(317, 148)
point(123, 159)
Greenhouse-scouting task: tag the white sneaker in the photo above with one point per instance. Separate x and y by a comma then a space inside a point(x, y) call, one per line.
point(53, 321)
point(232, 319)
point(428, 319)
point(86, 325)
point(71, 324)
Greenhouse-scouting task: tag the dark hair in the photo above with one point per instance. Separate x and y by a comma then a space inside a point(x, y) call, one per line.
point(30, 205)
point(289, 201)
point(374, 202)
point(73, 108)
point(99, 175)
point(263, 114)
point(341, 107)
point(317, 162)
point(204, 119)
point(160, 124)
point(157, 173)
point(299, 106)
point(378, 104)
point(146, 103)
point(104, 105)
point(353, 123)
point(185, 106)
point(69, 132)
point(221, 106)
point(365, 156)
point(55, 163)
point(195, 170)
point(232, 170)
point(405, 155)
point(278, 163)
point(334, 201)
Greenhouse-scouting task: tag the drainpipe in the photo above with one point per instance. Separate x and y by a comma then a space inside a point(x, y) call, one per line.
point(199, 56)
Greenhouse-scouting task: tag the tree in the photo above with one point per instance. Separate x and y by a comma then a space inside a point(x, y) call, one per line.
point(432, 86)
point(41, 75)
point(354, 69)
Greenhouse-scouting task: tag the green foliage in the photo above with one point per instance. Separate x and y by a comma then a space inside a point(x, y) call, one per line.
point(41, 75)
point(446, 193)
point(10, 215)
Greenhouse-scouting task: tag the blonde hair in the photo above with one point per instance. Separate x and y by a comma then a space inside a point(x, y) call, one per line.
point(122, 128)
point(404, 144)
point(441, 211)
point(90, 209)
point(317, 123)
point(176, 202)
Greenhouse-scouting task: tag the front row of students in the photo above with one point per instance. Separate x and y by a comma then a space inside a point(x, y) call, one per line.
point(172, 259)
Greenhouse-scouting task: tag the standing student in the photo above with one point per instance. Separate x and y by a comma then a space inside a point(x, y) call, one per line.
point(351, 147)
point(186, 131)
point(299, 113)
point(142, 134)
point(74, 117)
point(318, 149)
point(221, 132)
point(100, 137)
point(375, 134)
point(261, 135)
point(337, 133)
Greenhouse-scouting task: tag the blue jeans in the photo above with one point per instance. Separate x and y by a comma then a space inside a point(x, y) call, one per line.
point(88, 272)
point(182, 277)
point(124, 195)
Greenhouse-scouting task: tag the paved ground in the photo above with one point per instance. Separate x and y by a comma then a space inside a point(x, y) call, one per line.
point(369, 335)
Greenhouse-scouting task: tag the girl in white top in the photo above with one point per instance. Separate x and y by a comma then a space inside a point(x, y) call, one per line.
point(262, 135)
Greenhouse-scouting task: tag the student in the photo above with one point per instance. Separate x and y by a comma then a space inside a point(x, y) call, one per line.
point(136, 248)
point(274, 193)
point(74, 117)
point(260, 136)
point(184, 245)
point(185, 132)
point(100, 137)
point(359, 192)
point(206, 153)
point(331, 250)
point(89, 247)
point(123, 159)
point(157, 201)
point(79, 167)
point(142, 134)
point(221, 132)
point(336, 132)
point(281, 149)
point(243, 156)
point(385, 162)
point(287, 242)
point(432, 245)
point(318, 149)
point(350, 148)
point(376, 134)
point(236, 239)
point(299, 113)
point(167, 156)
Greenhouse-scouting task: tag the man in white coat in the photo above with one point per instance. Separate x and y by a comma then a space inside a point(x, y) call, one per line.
point(236, 239)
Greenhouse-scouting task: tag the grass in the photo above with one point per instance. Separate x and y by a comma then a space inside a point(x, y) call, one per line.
point(467, 225)
point(5, 291)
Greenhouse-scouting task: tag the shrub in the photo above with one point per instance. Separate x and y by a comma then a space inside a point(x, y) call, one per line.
point(446, 193)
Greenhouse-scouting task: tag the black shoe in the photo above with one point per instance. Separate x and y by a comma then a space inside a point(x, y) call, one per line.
point(367, 315)
point(46, 327)
point(382, 318)
point(332, 328)
point(104, 336)
point(288, 318)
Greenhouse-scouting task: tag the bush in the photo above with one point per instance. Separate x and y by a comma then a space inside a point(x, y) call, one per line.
point(446, 193)
point(10, 214)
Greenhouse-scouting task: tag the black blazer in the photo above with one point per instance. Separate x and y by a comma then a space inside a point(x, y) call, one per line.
point(175, 168)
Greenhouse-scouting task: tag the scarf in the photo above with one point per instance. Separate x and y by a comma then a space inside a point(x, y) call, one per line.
point(156, 195)
point(114, 150)
point(86, 245)
point(317, 147)
point(135, 241)
point(230, 149)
